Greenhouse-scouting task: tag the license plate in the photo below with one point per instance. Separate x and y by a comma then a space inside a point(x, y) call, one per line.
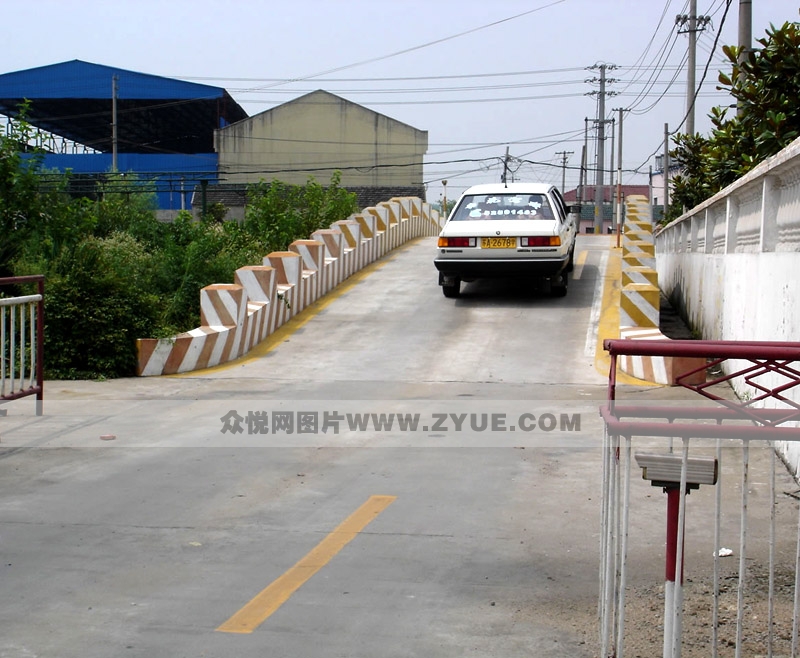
point(498, 243)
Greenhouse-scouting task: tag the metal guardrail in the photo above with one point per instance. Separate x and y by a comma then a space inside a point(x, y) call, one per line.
point(772, 370)
point(22, 342)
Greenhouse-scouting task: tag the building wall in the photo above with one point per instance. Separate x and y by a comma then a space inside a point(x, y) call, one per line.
point(172, 177)
point(316, 134)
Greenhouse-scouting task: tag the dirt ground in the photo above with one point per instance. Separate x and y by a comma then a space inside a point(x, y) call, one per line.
point(644, 611)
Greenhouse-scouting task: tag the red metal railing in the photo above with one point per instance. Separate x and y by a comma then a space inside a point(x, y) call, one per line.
point(767, 376)
point(755, 362)
point(22, 342)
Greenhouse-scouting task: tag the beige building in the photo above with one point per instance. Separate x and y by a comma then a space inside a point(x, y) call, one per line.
point(316, 134)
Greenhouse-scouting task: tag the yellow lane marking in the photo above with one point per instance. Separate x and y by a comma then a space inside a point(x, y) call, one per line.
point(580, 261)
point(254, 613)
point(303, 317)
point(608, 326)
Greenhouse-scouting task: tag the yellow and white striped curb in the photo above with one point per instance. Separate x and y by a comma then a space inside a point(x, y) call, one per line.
point(640, 302)
point(236, 317)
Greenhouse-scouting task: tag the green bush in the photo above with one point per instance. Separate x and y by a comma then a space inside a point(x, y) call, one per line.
point(97, 303)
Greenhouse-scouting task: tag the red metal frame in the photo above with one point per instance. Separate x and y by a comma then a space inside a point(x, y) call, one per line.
point(760, 357)
point(37, 390)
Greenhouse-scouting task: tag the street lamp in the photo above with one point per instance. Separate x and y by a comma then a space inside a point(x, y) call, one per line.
point(444, 198)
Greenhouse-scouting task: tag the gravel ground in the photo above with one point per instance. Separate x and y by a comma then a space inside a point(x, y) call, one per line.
point(644, 620)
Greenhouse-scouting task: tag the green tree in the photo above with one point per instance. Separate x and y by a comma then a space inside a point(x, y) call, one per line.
point(277, 213)
point(765, 85)
point(20, 205)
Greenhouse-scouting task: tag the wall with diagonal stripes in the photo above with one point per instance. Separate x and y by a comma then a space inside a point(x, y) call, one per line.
point(640, 300)
point(234, 317)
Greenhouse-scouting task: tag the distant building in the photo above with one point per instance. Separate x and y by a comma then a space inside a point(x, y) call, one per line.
point(318, 133)
point(657, 185)
point(174, 135)
point(588, 204)
point(164, 127)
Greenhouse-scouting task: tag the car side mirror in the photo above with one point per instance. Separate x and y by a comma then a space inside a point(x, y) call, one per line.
point(574, 209)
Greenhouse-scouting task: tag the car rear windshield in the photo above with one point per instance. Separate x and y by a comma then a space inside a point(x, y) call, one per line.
point(503, 206)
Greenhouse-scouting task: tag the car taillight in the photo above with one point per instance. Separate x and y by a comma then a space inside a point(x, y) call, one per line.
point(457, 242)
point(541, 241)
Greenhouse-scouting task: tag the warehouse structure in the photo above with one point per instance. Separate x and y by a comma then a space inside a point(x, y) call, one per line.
point(174, 135)
point(90, 116)
point(318, 133)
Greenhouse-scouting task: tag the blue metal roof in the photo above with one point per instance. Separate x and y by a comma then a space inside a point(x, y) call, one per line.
point(165, 127)
point(78, 79)
point(154, 114)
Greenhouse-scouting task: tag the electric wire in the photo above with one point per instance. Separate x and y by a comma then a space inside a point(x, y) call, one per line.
point(705, 71)
point(414, 48)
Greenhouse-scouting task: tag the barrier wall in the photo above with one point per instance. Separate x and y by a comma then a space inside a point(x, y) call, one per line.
point(237, 316)
point(730, 265)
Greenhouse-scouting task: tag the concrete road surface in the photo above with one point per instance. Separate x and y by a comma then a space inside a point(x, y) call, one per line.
point(211, 515)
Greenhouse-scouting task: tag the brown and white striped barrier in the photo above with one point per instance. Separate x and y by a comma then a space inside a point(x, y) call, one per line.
point(640, 302)
point(237, 316)
point(659, 369)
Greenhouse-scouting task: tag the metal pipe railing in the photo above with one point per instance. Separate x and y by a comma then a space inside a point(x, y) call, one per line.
point(22, 342)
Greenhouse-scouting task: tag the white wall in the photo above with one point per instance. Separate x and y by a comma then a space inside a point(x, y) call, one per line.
point(732, 265)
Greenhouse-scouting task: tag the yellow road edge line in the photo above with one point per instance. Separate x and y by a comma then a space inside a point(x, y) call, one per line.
point(272, 597)
point(608, 326)
point(263, 348)
point(580, 261)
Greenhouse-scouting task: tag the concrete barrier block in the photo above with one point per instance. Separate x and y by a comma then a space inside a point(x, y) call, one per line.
point(639, 246)
point(333, 241)
point(222, 305)
point(258, 282)
point(640, 305)
point(288, 272)
point(647, 275)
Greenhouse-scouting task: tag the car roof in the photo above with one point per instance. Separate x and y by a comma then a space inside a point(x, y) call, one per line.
point(510, 188)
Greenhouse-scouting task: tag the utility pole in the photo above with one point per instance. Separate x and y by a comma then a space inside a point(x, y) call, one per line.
point(504, 177)
point(601, 113)
point(695, 24)
point(619, 177)
point(563, 155)
point(692, 64)
point(114, 80)
point(582, 186)
point(611, 179)
point(745, 36)
point(665, 168)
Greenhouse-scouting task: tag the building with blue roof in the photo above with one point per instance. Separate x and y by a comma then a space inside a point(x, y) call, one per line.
point(164, 127)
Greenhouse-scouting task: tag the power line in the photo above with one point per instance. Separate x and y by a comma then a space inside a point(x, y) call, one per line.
point(419, 47)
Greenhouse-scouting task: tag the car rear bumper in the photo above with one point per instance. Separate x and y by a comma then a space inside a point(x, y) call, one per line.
point(489, 268)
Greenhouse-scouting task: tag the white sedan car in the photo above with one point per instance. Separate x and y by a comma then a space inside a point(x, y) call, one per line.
point(507, 230)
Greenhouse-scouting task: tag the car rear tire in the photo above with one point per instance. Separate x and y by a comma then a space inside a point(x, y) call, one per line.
point(452, 290)
point(558, 286)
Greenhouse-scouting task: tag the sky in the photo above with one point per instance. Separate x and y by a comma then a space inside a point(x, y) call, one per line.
point(482, 77)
